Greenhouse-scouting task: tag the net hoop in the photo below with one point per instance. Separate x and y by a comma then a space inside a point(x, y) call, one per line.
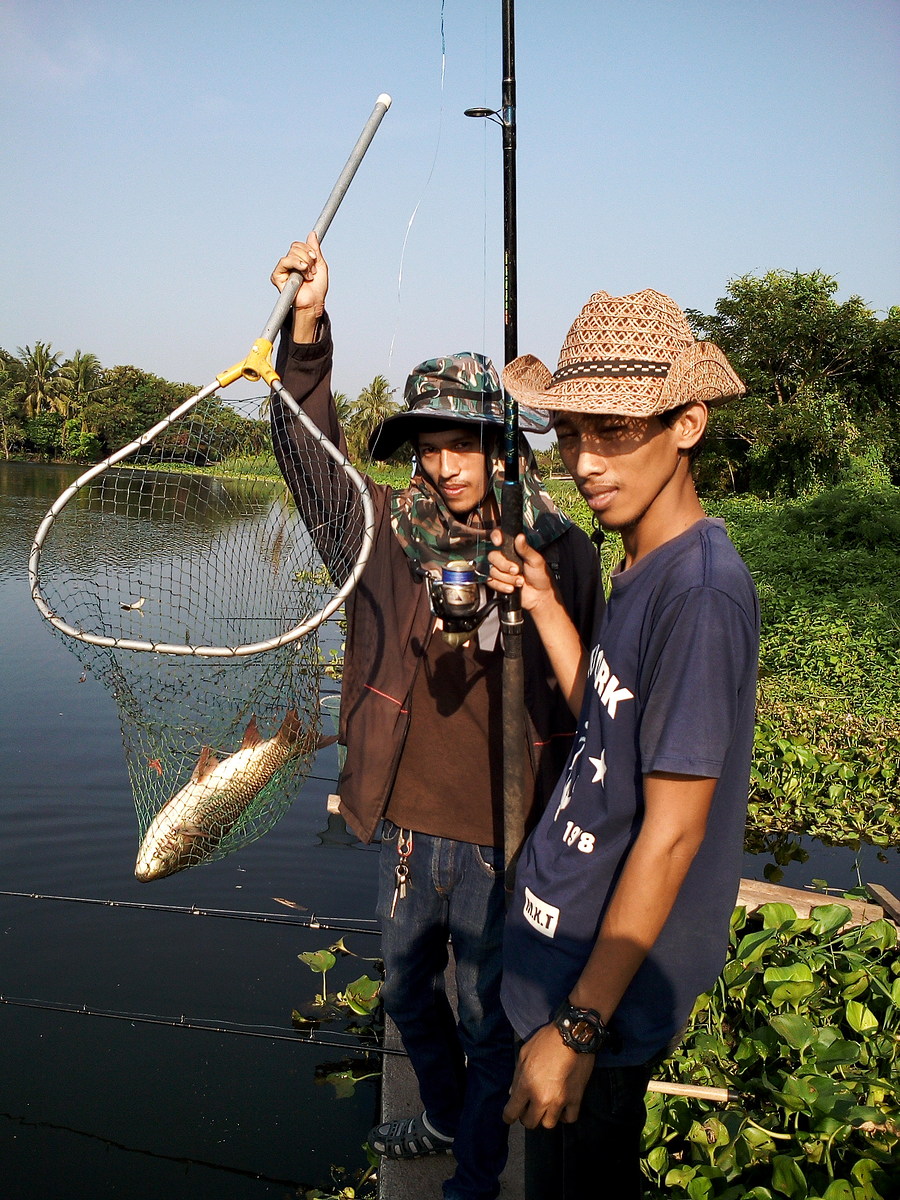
point(294, 634)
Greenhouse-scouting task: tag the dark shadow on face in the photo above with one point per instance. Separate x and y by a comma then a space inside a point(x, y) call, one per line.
point(612, 434)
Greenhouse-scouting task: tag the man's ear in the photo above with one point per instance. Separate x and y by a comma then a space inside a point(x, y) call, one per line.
point(691, 424)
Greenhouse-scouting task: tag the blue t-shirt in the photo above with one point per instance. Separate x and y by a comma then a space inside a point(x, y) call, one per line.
point(671, 687)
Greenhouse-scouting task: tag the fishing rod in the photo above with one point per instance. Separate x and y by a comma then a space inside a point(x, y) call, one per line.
point(298, 1037)
point(335, 924)
point(696, 1091)
point(513, 690)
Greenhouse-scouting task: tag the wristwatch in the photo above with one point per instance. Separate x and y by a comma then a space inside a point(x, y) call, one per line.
point(582, 1029)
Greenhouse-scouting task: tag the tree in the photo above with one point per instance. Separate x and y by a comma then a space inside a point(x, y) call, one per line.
point(374, 404)
point(809, 414)
point(44, 386)
point(85, 379)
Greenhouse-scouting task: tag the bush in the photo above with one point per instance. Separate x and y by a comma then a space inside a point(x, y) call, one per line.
point(804, 1025)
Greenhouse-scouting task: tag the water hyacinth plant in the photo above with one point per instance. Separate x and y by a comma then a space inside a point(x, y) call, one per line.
point(804, 1028)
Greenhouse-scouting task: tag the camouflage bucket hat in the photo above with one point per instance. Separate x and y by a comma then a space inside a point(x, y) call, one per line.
point(459, 387)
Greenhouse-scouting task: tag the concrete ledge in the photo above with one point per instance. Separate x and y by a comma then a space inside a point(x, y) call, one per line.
point(421, 1178)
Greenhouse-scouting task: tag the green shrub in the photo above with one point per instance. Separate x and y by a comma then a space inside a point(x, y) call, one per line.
point(804, 1027)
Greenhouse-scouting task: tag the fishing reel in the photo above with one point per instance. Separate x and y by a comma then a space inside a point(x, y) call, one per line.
point(457, 599)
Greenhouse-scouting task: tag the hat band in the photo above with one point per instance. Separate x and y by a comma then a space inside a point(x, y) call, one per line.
point(612, 368)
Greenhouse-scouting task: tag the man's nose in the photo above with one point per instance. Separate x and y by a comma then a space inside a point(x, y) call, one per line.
point(449, 463)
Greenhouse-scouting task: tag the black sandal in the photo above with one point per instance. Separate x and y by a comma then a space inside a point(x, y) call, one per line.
point(412, 1137)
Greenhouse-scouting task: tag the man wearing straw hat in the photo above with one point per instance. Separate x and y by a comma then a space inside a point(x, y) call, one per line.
point(625, 888)
point(419, 716)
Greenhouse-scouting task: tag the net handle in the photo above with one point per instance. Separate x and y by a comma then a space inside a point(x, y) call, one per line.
point(254, 367)
point(289, 291)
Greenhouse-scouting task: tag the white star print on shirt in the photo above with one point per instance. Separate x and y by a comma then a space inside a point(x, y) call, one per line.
point(600, 768)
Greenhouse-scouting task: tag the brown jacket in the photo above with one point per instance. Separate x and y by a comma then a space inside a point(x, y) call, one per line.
point(389, 619)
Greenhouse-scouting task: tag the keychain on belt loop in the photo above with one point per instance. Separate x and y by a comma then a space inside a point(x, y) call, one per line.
point(401, 871)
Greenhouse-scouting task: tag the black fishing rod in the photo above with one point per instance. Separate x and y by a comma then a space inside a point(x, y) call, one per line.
point(511, 495)
point(297, 1037)
point(334, 924)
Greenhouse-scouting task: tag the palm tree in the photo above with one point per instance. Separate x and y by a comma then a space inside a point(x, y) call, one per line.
point(373, 405)
point(84, 376)
point(45, 388)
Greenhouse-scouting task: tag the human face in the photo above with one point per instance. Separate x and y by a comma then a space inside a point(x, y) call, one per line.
point(455, 462)
point(631, 469)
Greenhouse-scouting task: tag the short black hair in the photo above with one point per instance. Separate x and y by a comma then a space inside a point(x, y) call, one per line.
point(671, 415)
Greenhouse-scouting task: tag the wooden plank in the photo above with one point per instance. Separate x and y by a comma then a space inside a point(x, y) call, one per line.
point(754, 893)
point(887, 900)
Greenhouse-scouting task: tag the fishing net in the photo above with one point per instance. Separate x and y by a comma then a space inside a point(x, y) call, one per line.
point(183, 575)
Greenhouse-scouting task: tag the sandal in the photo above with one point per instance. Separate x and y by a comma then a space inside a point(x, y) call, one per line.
point(412, 1137)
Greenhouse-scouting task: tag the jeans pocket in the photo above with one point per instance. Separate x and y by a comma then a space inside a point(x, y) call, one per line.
point(490, 859)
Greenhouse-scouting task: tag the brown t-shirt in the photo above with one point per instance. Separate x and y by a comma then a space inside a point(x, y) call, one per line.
point(449, 782)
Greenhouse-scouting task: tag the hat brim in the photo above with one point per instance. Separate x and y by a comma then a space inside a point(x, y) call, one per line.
point(700, 372)
point(390, 435)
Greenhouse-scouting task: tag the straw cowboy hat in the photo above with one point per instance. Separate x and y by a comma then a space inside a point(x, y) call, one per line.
point(632, 355)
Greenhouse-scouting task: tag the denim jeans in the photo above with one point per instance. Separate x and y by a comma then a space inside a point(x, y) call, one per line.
point(598, 1156)
point(464, 1068)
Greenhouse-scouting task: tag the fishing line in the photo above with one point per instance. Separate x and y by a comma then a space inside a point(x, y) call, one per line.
point(297, 1037)
point(412, 218)
point(172, 1158)
point(335, 924)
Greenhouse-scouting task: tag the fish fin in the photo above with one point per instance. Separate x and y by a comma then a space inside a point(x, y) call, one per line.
point(291, 727)
point(206, 763)
point(252, 736)
point(326, 741)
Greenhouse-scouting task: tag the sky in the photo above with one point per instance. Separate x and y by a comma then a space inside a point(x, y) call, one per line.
point(159, 157)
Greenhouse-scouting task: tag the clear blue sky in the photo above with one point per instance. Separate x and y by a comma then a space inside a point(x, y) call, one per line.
point(158, 157)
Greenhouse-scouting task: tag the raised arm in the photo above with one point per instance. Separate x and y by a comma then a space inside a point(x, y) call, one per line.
point(325, 497)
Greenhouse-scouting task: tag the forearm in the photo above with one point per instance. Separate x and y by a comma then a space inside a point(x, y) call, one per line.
point(564, 647)
point(644, 896)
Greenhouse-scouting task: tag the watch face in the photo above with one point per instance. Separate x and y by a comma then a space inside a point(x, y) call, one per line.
point(582, 1031)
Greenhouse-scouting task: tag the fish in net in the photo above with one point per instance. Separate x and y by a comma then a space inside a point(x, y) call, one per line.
point(183, 576)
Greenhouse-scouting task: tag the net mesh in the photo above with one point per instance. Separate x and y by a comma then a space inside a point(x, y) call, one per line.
point(194, 543)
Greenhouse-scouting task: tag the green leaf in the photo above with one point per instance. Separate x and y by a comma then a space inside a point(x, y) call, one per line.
point(787, 1177)
point(318, 960)
point(658, 1159)
point(362, 995)
point(776, 916)
point(839, 1189)
point(837, 1054)
point(796, 1031)
point(826, 918)
point(860, 1018)
point(753, 945)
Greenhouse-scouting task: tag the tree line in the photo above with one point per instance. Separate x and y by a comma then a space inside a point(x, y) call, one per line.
point(821, 408)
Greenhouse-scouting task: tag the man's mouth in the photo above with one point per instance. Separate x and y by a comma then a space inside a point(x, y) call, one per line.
point(599, 498)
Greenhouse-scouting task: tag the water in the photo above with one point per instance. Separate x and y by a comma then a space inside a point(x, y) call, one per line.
point(95, 1107)
point(98, 1108)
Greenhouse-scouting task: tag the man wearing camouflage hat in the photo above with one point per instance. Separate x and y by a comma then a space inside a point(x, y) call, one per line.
point(626, 886)
point(420, 718)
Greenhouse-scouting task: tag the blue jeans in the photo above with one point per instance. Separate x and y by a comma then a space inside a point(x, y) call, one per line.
point(464, 1068)
point(598, 1156)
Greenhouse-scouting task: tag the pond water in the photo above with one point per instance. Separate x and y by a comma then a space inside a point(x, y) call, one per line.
point(97, 1107)
point(94, 1107)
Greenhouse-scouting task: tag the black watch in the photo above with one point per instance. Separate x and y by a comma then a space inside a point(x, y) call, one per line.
point(582, 1029)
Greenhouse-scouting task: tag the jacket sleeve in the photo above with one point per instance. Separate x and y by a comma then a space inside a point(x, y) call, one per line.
point(325, 497)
